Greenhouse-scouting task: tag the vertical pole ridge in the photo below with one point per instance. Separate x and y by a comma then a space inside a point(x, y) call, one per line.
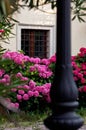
point(63, 31)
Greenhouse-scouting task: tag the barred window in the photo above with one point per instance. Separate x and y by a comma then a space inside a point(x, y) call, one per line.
point(35, 43)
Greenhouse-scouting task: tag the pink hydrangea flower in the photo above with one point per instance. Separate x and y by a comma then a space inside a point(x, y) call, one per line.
point(6, 55)
point(84, 89)
point(21, 92)
point(38, 88)
point(36, 94)
point(7, 77)
point(82, 49)
point(20, 86)
point(80, 75)
point(53, 59)
point(35, 60)
point(24, 79)
point(30, 93)
point(25, 97)
point(17, 105)
point(83, 66)
point(47, 98)
point(45, 61)
point(19, 75)
point(25, 58)
point(32, 68)
point(32, 84)
point(84, 72)
point(18, 60)
point(83, 80)
point(2, 72)
point(12, 104)
point(3, 80)
point(26, 87)
point(19, 97)
point(13, 89)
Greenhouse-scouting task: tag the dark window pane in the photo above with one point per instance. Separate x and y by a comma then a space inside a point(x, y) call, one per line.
point(34, 42)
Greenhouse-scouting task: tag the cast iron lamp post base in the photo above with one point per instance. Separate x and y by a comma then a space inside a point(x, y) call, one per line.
point(64, 121)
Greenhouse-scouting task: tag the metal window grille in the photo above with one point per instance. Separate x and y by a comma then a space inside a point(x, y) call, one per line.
point(35, 43)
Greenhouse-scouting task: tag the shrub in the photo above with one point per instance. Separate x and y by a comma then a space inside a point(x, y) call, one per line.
point(29, 79)
point(79, 72)
point(35, 71)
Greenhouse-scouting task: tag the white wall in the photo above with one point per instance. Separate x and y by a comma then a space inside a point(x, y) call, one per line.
point(78, 35)
point(36, 17)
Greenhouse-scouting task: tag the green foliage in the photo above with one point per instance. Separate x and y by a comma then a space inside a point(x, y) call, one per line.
point(23, 119)
point(6, 25)
point(8, 7)
point(82, 112)
point(10, 70)
point(35, 104)
point(2, 50)
point(79, 9)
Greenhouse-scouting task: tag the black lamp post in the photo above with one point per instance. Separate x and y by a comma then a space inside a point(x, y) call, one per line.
point(63, 92)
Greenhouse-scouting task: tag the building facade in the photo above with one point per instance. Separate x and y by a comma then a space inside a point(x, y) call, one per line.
point(35, 33)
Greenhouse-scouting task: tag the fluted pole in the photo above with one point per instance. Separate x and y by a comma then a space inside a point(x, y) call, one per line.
point(63, 92)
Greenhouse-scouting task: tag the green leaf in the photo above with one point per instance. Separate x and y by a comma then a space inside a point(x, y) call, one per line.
point(74, 17)
point(31, 4)
point(81, 19)
point(83, 8)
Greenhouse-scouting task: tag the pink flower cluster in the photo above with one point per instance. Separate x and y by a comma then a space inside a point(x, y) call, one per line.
point(17, 57)
point(52, 59)
point(43, 70)
point(2, 71)
point(4, 78)
point(38, 73)
point(82, 52)
point(25, 92)
point(20, 58)
point(10, 105)
point(35, 72)
point(22, 78)
point(82, 89)
point(79, 69)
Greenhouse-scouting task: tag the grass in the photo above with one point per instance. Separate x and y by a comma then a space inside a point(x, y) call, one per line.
point(30, 118)
point(22, 118)
point(82, 112)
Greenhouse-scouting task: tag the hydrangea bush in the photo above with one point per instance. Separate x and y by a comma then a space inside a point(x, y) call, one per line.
point(36, 74)
point(31, 79)
point(79, 72)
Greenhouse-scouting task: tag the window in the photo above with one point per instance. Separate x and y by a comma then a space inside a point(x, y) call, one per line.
point(35, 43)
point(36, 40)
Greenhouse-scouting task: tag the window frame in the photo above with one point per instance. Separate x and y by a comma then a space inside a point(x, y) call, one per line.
point(51, 29)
